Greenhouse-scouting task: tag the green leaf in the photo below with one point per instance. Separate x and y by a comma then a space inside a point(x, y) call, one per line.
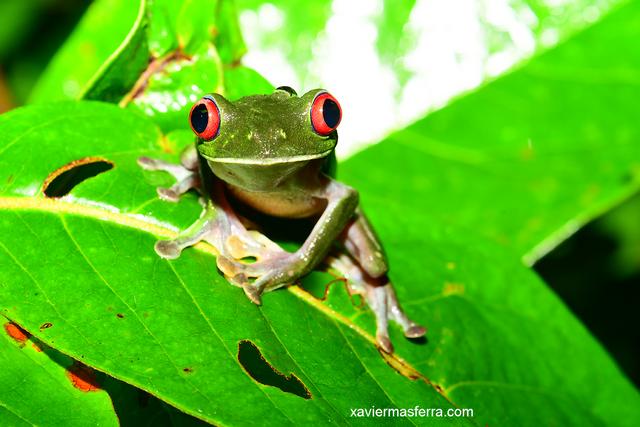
point(530, 157)
point(30, 381)
point(104, 40)
point(178, 329)
point(229, 38)
point(195, 24)
point(173, 328)
point(174, 84)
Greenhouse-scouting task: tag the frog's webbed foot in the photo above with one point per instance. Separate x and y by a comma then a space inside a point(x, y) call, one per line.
point(186, 175)
point(380, 296)
point(273, 268)
point(234, 244)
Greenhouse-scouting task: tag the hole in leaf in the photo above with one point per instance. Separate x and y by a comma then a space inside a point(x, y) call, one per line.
point(61, 181)
point(260, 370)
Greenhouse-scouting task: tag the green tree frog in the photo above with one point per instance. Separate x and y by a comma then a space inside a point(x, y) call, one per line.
point(271, 153)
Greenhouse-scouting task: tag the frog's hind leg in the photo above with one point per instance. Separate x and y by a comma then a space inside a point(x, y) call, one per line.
point(362, 243)
point(410, 328)
point(369, 273)
point(375, 295)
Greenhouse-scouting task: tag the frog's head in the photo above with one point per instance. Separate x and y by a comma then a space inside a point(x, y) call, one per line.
point(266, 129)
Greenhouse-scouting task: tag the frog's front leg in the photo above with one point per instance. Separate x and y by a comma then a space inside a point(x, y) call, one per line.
point(219, 226)
point(218, 223)
point(286, 267)
point(186, 173)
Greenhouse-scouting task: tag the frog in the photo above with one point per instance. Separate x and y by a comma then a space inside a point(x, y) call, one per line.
point(274, 154)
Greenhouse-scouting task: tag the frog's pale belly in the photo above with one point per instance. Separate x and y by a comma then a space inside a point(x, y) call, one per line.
point(281, 203)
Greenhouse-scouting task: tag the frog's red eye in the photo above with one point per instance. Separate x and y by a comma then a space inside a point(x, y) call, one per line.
point(205, 118)
point(325, 114)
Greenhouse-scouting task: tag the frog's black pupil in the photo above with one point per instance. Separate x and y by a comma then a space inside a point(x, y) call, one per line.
point(200, 118)
point(331, 113)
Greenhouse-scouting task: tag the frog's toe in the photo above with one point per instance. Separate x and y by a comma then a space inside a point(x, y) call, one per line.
point(384, 342)
point(415, 331)
point(167, 249)
point(229, 267)
point(146, 163)
point(167, 194)
point(253, 293)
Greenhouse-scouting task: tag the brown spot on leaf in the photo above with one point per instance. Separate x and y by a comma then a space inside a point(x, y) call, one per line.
point(402, 367)
point(62, 180)
point(16, 332)
point(120, 316)
point(257, 367)
point(82, 377)
point(156, 66)
point(187, 370)
point(453, 289)
point(36, 347)
point(46, 325)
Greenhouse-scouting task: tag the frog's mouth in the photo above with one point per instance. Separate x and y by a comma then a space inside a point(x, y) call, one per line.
point(267, 161)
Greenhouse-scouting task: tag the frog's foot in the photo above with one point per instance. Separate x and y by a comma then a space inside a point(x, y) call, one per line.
point(382, 299)
point(272, 269)
point(186, 178)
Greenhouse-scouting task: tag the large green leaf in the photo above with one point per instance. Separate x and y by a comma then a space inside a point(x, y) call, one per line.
point(176, 332)
point(85, 265)
point(530, 157)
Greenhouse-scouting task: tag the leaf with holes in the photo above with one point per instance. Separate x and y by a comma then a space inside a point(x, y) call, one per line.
point(80, 273)
point(40, 386)
point(36, 389)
